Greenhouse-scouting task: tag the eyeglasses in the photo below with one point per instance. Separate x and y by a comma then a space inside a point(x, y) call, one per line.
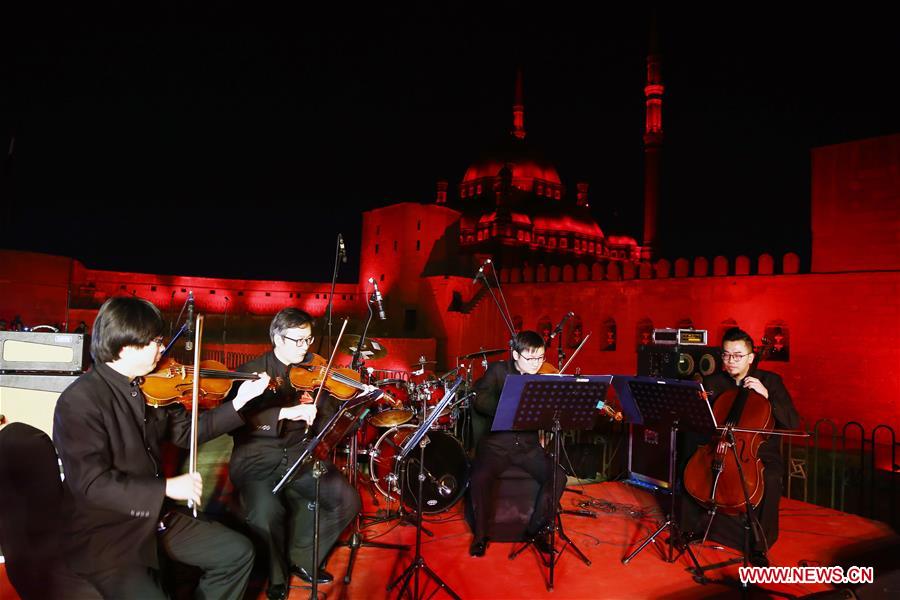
point(729, 357)
point(533, 359)
point(158, 340)
point(307, 341)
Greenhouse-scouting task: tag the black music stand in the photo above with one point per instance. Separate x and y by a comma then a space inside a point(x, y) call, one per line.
point(556, 402)
point(420, 439)
point(673, 403)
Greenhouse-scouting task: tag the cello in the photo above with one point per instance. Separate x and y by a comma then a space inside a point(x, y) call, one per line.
point(716, 475)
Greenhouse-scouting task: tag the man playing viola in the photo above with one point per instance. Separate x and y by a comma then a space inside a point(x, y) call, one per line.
point(121, 503)
point(737, 358)
point(496, 451)
point(270, 443)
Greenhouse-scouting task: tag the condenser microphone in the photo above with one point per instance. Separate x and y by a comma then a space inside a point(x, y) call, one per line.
point(341, 249)
point(189, 343)
point(480, 272)
point(378, 299)
point(559, 327)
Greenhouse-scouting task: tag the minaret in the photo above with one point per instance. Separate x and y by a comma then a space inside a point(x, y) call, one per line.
point(519, 108)
point(653, 137)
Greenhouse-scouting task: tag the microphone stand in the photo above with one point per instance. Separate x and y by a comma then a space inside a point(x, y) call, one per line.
point(357, 540)
point(337, 255)
point(504, 314)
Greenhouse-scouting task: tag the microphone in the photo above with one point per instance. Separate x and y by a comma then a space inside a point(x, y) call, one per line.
point(480, 272)
point(559, 327)
point(341, 249)
point(189, 344)
point(378, 299)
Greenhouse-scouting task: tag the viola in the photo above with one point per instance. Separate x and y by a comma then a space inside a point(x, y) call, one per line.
point(711, 475)
point(173, 382)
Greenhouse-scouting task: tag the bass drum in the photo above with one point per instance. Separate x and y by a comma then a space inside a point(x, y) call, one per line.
point(446, 469)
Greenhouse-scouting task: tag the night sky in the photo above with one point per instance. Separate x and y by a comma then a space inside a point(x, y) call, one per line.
point(203, 140)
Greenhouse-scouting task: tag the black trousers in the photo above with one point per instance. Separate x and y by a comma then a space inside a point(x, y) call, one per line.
point(225, 556)
point(283, 524)
point(495, 453)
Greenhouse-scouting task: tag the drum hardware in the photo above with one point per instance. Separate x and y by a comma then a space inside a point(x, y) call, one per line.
point(482, 353)
point(371, 348)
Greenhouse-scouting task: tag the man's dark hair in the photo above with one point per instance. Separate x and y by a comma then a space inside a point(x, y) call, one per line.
point(736, 334)
point(528, 340)
point(124, 321)
point(288, 318)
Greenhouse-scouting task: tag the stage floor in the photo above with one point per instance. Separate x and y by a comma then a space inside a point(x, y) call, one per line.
point(810, 536)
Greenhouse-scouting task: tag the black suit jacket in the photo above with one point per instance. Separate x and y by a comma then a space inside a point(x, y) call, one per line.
point(487, 397)
point(109, 443)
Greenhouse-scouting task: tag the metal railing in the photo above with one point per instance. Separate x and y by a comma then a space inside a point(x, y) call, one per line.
point(844, 469)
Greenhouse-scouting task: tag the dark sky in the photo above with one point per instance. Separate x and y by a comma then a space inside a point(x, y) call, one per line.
point(239, 141)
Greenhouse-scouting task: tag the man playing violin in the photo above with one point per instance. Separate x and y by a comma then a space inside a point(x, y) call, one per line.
point(122, 511)
point(266, 447)
point(496, 451)
point(737, 358)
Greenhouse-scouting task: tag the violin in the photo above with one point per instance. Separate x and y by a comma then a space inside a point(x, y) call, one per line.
point(173, 382)
point(711, 475)
point(343, 383)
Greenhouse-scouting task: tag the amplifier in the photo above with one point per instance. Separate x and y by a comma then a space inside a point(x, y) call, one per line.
point(32, 399)
point(29, 351)
point(682, 337)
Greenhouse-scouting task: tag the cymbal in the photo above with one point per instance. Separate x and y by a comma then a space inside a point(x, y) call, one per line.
point(419, 364)
point(371, 348)
point(483, 353)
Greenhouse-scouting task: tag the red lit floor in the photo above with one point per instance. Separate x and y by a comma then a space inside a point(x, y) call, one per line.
point(810, 535)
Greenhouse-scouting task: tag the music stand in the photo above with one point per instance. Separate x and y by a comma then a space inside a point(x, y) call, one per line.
point(673, 403)
point(350, 413)
point(419, 438)
point(532, 402)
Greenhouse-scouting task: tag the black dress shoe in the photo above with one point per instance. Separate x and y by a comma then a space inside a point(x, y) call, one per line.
point(323, 575)
point(277, 592)
point(758, 558)
point(478, 547)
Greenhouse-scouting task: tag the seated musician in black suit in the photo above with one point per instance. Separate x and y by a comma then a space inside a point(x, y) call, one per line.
point(496, 451)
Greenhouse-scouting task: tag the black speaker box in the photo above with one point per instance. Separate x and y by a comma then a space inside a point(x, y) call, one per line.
point(678, 362)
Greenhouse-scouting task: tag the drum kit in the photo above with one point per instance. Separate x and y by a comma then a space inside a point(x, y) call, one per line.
point(416, 393)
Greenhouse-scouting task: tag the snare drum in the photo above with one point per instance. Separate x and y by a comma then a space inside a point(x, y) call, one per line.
point(385, 414)
point(446, 469)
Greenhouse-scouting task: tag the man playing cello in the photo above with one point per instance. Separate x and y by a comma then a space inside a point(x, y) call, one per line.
point(737, 358)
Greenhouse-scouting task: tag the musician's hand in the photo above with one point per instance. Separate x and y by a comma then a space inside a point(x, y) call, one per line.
point(300, 412)
point(756, 385)
point(185, 487)
point(248, 390)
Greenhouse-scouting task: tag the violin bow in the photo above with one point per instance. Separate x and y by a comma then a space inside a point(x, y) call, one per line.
point(330, 361)
point(195, 410)
point(574, 354)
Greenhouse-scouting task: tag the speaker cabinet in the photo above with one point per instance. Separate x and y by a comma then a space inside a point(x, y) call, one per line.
point(678, 362)
point(24, 351)
point(32, 399)
point(649, 449)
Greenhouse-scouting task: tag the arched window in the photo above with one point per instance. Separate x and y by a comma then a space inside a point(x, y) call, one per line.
point(644, 332)
point(608, 336)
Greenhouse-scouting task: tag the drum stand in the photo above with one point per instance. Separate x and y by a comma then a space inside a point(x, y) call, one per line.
point(418, 564)
point(356, 540)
